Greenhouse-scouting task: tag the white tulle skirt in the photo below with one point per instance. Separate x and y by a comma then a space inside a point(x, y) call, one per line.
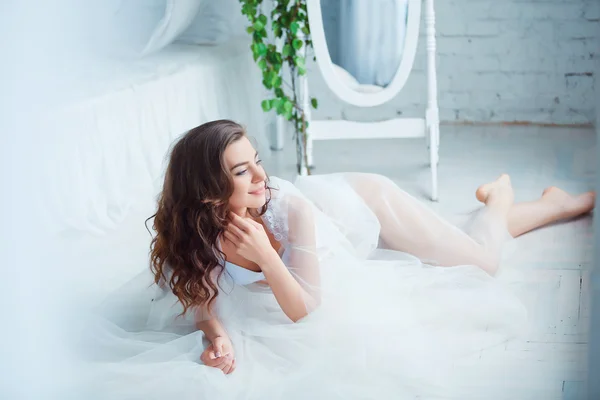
point(389, 326)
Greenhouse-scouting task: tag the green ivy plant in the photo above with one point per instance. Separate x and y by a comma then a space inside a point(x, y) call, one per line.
point(288, 23)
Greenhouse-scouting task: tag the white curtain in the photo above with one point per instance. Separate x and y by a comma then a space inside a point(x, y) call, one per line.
point(138, 28)
point(371, 39)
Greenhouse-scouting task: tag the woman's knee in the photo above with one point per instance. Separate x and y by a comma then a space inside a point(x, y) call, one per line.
point(368, 184)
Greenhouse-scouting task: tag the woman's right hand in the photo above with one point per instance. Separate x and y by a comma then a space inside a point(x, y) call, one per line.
point(219, 354)
point(250, 240)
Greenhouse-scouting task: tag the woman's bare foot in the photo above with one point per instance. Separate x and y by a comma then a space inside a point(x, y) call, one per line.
point(499, 190)
point(568, 204)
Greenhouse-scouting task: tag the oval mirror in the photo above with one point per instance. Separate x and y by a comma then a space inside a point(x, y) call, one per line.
point(365, 49)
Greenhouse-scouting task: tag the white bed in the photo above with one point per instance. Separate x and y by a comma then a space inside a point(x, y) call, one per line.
point(105, 153)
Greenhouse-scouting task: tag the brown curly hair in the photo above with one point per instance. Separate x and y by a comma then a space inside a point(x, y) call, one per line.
point(192, 212)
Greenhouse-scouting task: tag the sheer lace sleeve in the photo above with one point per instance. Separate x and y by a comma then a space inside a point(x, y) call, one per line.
point(292, 220)
point(302, 257)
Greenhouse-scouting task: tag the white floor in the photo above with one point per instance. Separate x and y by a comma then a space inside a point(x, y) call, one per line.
point(554, 262)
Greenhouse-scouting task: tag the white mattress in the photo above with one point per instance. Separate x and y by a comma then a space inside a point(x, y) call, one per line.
point(114, 137)
point(104, 158)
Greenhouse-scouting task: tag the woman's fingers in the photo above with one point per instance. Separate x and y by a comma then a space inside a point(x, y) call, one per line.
point(232, 366)
point(222, 365)
point(242, 223)
point(231, 237)
point(236, 231)
point(252, 222)
point(213, 363)
point(227, 369)
point(209, 359)
point(225, 365)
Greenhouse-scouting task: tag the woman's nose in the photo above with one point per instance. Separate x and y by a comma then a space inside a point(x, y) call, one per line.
point(259, 175)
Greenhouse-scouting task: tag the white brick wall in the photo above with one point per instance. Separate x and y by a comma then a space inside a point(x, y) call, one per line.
point(498, 61)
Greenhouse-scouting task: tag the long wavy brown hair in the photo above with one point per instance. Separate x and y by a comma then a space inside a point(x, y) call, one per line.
point(192, 212)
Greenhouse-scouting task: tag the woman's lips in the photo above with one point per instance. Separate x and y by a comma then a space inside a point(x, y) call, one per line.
point(259, 191)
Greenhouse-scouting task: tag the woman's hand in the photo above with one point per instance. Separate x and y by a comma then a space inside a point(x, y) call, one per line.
point(219, 354)
point(250, 239)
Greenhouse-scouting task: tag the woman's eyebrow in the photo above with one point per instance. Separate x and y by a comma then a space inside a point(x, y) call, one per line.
point(242, 163)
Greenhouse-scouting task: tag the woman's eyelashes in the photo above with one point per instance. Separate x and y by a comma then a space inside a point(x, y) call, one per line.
point(257, 162)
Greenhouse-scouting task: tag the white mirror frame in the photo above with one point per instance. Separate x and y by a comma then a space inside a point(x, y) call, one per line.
point(426, 127)
point(333, 80)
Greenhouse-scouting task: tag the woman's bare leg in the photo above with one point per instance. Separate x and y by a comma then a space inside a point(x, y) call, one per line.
point(554, 205)
point(411, 227)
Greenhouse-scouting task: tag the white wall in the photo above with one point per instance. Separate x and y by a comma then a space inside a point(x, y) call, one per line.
point(498, 61)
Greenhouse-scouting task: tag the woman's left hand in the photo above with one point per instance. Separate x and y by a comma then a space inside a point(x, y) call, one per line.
point(219, 354)
point(250, 239)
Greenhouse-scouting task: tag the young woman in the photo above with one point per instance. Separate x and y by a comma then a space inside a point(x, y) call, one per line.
point(337, 286)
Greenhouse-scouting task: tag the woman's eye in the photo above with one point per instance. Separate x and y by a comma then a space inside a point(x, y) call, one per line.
point(242, 172)
point(258, 161)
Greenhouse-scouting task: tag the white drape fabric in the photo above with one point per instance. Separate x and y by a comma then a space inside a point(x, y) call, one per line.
point(372, 35)
point(382, 322)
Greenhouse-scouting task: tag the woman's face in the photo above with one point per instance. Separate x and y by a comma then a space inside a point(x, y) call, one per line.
point(248, 175)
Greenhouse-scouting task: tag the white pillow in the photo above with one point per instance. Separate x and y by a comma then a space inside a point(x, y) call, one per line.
point(352, 83)
point(122, 27)
point(216, 22)
point(346, 76)
point(178, 16)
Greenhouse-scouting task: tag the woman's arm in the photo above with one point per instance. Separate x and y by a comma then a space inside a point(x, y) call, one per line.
point(212, 328)
point(296, 286)
point(219, 353)
point(292, 298)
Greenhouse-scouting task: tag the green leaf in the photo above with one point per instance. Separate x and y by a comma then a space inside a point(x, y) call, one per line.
point(297, 43)
point(250, 29)
point(258, 25)
point(277, 82)
point(299, 61)
point(271, 76)
point(255, 52)
point(287, 50)
point(275, 103)
point(280, 104)
point(262, 64)
point(294, 27)
point(263, 19)
point(305, 30)
point(301, 71)
point(279, 92)
point(262, 49)
point(314, 102)
point(288, 106)
point(266, 105)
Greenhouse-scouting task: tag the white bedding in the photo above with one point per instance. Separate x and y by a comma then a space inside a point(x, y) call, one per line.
point(105, 152)
point(110, 142)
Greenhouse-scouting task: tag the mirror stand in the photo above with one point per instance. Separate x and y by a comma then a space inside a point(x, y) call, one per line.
point(426, 127)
